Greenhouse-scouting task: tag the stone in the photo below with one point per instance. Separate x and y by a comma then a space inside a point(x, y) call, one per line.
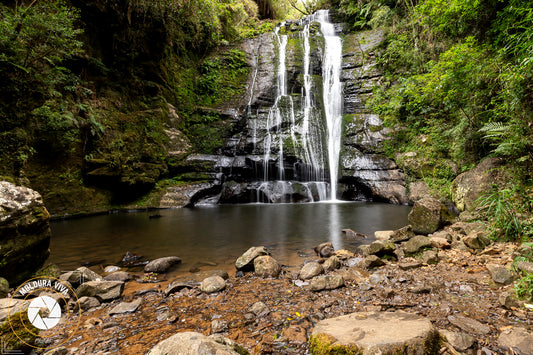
point(80, 276)
point(310, 270)
point(375, 333)
point(418, 190)
point(371, 261)
point(467, 187)
point(10, 306)
point(383, 235)
point(4, 287)
point(476, 241)
point(459, 341)
point(381, 248)
point(245, 262)
point(354, 274)
point(402, 234)
point(324, 250)
point(468, 324)
point(111, 268)
point(126, 307)
point(85, 303)
point(331, 263)
point(439, 242)
point(193, 343)
point(57, 351)
point(179, 284)
point(525, 266)
point(421, 289)
point(104, 291)
point(266, 266)
point(213, 284)
point(327, 282)
point(218, 326)
point(408, 265)
point(430, 257)
point(519, 340)
point(118, 276)
point(294, 334)
point(508, 300)
point(416, 243)
point(343, 254)
point(24, 232)
point(162, 265)
point(427, 215)
point(500, 274)
point(259, 309)
point(353, 234)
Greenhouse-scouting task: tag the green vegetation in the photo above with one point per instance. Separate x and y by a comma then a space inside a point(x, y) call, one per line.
point(524, 286)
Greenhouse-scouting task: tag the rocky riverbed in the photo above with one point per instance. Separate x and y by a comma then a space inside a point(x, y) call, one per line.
point(464, 289)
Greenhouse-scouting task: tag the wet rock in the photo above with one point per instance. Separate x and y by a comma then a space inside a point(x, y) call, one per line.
point(218, 326)
point(162, 265)
point(508, 300)
point(427, 215)
point(371, 261)
point(416, 243)
point(111, 268)
point(310, 270)
point(327, 282)
point(103, 290)
point(260, 309)
point(24, 232)
point(459, 341)
point(381, 248)
point(407, 265)
point(468, 186)
point(525, 266)
point(383, 235)
point(246, 260)
point(519, 340)
point(429, 257)
point(130, 260)
point(118, 276)
point(80, 276)
point(375, 332)
point(266, 266)
point(324, 250)
point(468, 324)
point(126, 307)
point(212, 284)
point(439, 242)
point(85, 303)
point(189, 343)
point(500, 274)
point(331, 263)
point(4, 287)
point(402, 234)
point(476, 240)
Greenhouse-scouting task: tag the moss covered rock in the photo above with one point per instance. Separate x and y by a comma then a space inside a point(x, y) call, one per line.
point(18, 334)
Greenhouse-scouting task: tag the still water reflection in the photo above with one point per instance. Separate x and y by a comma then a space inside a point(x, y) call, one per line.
point(220, 234)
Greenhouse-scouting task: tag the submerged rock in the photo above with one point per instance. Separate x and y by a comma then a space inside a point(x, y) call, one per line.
point(375, 333)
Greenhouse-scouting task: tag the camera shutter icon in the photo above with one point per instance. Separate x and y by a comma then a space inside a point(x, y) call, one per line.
point(48, 304)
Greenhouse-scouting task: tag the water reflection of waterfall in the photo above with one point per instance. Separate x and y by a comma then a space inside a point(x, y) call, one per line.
point(334, 225)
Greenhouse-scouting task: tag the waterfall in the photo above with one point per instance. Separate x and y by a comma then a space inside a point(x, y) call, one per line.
point(332, 95)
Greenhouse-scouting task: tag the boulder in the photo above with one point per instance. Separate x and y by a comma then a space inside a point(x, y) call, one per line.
point(470, 185)
point(266, 266)
point(354, 274)
point(324, 250)
point(310, 270)
point(418, 190)
point(104, 291)
point(80, 276)
point(427, 215)
point(245, 262)
point(162, 265)
point(381, 248)
point(192, 343)
point(213, 284)
point(375, 333)
point(327, 282)
point(179, 284)
point(126, 307)
point(331, 263)
point(24, 232)
point(516, 341)
point(413, 245)
point(476, 241)
point(383, 235)
point(402, 234)
point(118, 276)
point(500, 274)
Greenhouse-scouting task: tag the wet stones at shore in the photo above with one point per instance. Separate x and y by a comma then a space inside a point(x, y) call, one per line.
point(104, 291)
point(375, 332)
point(245, 262)
point(310, 270)
point(266, 266)
point(162, 265)
point(353, 234)
point(196, 343)
point(324, 250)
point(213, 284)
point(383, 235)
point(111, 268)
point(326, 282)
point(192, 281)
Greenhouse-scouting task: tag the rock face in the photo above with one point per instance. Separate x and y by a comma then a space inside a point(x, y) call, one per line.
point(192, 343)
point(468, 186)
point(24, 232)
point(375, 333)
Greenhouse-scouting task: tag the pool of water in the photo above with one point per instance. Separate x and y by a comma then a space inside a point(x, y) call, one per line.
point(217, 235)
